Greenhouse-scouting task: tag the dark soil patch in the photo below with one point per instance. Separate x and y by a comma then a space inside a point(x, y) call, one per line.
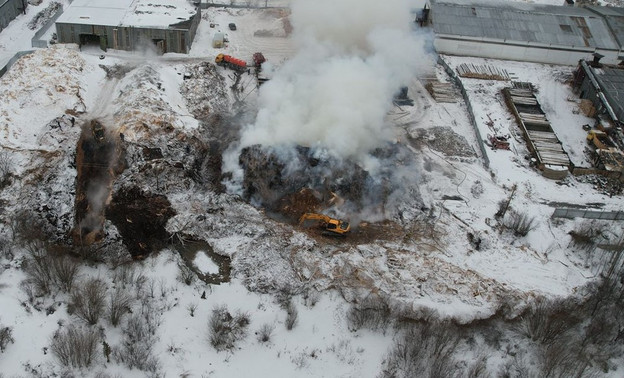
point(140, 218)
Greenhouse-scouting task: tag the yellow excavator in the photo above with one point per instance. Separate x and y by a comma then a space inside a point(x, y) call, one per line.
point(330, 226)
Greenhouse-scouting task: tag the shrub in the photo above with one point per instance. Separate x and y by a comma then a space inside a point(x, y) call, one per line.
point(265, 332)
point(6, 337)
point(371, 314)
point(547, 321)
point(424, 350)
point(118, 306)
point(292, 316)
point(226, 330)
point(75, 347)
point(88, 301)
point(136, 350)
point(186, 274)
point(64, 270)
point(520, 224)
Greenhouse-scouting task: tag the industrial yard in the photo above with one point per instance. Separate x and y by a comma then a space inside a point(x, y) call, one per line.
point(283, 199)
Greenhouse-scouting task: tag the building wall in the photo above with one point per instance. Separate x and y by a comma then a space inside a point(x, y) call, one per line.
point(131, 38)
point(9, 9)
point(521, 52)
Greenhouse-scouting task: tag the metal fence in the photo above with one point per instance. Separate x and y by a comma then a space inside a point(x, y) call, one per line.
point(473, 120)
point(14, 59)
point(588, 214)
point(36, 41)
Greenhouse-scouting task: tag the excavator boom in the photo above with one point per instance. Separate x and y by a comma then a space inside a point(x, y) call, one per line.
point(330, 225)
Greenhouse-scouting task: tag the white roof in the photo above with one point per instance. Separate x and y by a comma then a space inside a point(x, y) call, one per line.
point(139, 13)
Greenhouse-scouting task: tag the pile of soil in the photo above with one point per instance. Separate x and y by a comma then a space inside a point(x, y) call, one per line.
point(140, 218)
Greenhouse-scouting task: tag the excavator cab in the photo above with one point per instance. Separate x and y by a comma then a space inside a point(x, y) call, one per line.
point(330, 226)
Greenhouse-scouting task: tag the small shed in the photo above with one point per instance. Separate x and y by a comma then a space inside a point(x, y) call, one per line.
point(218, 40)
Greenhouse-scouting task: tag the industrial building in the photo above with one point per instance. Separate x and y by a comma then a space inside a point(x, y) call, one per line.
point(168, 25)
point(9, 9)
point(527, 32)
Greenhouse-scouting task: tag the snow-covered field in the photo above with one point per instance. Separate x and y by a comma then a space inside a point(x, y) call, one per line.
point(301, 305)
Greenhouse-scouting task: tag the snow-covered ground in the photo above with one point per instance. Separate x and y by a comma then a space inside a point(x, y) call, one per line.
point(424, 267)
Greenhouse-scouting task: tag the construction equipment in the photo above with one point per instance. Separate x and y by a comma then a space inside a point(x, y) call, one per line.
point(330, 226)
point(230, 62)
point(600, 139)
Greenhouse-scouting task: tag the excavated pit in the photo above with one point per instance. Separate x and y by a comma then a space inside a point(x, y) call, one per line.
point(99, 159)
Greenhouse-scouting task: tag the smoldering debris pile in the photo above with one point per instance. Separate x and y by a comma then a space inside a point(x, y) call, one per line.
point(293, 181)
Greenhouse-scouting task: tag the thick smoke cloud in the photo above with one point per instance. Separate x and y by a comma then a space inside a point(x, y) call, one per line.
point(334, 95)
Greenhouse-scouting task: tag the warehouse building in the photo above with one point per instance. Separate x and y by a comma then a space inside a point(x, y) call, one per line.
point(9, 9)
point(169, 25)
point(524, 32)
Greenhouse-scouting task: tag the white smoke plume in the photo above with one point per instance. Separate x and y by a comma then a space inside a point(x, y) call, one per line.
point(353, 56)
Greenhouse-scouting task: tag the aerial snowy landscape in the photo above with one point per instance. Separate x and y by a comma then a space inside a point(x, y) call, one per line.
point(163, 215)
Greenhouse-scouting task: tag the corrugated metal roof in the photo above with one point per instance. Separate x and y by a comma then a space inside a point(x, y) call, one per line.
point(518, 22)
point(611, 80)
point(615, 20)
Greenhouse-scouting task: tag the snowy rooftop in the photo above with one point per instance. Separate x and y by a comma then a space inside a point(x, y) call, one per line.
point(140, 13)
point(556, 25)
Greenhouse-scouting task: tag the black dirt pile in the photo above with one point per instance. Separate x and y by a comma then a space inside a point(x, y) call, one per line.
point(140, 218)
point(285, 182)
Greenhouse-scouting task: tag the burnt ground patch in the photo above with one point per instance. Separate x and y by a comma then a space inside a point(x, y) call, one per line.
point(140, 218)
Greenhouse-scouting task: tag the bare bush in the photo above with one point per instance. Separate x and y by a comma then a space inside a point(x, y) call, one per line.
point(519, 223)
point(547, 321)
point(65, 270)
point(265, 332)
point(75, 347)
point(136, 350)
point(185, 274)
point(118, 305)
point(226, 330)
point(38, 269)
point(88, 301)
point(6, 337)
point(6, 168)
point(478, 369)
point(373, 314)
point(423, 350)
point(128, 275)
point(191, 308)
point(292, 316)
point(585, 236)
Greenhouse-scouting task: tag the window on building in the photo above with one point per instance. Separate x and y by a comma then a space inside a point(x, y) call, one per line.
point(566, 28)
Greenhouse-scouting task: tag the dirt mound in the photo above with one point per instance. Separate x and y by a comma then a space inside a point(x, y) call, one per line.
point(140, 218)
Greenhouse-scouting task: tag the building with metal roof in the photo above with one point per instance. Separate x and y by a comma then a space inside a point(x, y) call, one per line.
point(9, 9)
point(170, 25)
point(525, 32)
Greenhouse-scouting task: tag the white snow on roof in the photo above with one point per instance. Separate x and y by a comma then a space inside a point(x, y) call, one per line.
point(140, 13)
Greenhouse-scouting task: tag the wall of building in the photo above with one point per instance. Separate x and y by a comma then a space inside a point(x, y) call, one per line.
point(9, 9)
point(131, 38)
point(522, 52)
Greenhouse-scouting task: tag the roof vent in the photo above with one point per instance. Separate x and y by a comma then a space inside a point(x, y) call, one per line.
point(596, 62)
